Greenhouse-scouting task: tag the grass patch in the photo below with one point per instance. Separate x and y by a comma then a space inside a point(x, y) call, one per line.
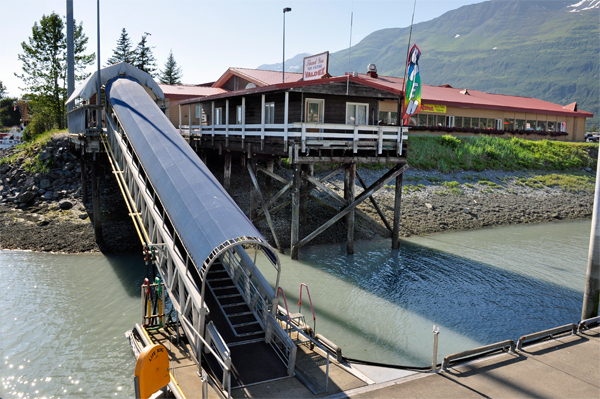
point(451, 184)
point(409, 188)
point(469, 185)
point(566, 182)
point(448, 153)
point(29, 151)
point(489, 183)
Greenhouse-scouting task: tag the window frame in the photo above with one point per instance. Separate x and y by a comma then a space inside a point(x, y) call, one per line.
point(270, 113)
point(355, 104)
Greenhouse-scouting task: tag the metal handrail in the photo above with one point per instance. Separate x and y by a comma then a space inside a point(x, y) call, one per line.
point(546, 333)
point(584, 323)
point(482, 349)
point(311, 306)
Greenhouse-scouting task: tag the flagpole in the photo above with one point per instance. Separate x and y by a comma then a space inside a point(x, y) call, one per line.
point(406, 65)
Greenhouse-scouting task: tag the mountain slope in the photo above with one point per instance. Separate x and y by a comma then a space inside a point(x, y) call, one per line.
point(543, 49)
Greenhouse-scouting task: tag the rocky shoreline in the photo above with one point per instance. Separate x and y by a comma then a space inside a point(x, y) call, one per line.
point(45, 212)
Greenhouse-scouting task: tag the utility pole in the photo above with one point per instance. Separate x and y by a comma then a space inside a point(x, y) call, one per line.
point(591, 294)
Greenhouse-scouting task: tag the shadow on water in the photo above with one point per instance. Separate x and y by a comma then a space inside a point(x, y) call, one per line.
point(474, 299)
point(130, 270)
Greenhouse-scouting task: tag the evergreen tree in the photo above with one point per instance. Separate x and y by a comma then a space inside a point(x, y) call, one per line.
point(2, 90)
point(144, 59)
point(123, 52)
point(44, 66)
point(171, 75)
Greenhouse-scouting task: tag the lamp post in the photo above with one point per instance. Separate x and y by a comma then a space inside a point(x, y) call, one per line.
point(287, 9)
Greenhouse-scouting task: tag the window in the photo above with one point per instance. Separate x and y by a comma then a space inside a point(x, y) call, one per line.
point(390, 118)
point(499, 124)
point(562, 126)
point(238, 115)
point(530, 125)
point(450, 121)
point(483, 123)
point(509, 124)
point(218, 116)
point(458, 121)
point(357, 114)
point(490, 123)
point(430, 120)
point(467, 121)
point(198, 111)
point(423, 120)
point(475, 123)
point(552, 126)
point(314, 110)
point(541, 125)
point(520, 124)
point(270, 113)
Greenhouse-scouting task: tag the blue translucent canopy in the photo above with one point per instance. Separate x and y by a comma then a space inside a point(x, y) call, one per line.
point(202, 212)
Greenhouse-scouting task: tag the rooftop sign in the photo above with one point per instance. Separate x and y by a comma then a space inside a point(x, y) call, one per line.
point(316, 66)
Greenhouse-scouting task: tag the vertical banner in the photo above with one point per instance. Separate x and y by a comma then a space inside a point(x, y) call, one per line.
point(412, 90)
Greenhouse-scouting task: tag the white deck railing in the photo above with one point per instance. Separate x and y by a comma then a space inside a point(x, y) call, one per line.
point(308, 131)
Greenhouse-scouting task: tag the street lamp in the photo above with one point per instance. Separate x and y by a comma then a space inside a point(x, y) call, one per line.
point(287, 9)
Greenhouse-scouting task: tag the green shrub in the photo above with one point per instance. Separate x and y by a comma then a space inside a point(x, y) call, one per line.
point(40, 123)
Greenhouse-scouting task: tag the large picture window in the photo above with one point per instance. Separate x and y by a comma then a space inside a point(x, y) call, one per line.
point(357, 114)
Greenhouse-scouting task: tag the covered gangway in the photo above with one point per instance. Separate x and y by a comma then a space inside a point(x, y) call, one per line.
point(186, 217)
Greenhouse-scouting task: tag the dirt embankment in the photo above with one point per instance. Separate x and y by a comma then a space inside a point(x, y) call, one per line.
point(45, 212)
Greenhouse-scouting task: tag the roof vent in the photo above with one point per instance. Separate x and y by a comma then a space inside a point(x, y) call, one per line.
point(465, 92)
point(355, 74)
point(372, 71)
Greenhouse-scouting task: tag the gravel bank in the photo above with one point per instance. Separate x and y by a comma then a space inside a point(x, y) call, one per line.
point(45, 212)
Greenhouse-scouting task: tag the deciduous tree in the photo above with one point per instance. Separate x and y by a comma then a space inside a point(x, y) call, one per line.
point(124, 51)
point(2, 90)
point(172, 74)
point(44, 66)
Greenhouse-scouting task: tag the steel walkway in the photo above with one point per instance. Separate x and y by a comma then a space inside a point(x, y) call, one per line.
point(196, 236)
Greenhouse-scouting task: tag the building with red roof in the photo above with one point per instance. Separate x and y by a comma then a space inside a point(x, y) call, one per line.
point(370, 99)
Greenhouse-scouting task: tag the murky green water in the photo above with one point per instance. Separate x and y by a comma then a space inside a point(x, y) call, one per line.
point(63, 317)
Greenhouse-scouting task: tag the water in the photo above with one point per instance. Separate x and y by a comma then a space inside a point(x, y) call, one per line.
point(63, 323)
point(63, 317)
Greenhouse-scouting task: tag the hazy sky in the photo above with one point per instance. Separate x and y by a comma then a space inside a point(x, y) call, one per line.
point(207, 37)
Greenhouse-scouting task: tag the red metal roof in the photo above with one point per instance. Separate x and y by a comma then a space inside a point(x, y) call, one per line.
point(259, 77)
point(190, 90)
point(267, 81)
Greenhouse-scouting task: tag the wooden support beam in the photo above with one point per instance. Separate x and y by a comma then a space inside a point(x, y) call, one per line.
point(295, 233)
point(397, 213)
point(276, 197)
point(264, 205)
point(304, 198)
point(271, 173)
point(269, 179)
point(343, 203)
point(227, 172)
point(349, 191)
point(377, 208)
point(394, 172)
point(253, 194)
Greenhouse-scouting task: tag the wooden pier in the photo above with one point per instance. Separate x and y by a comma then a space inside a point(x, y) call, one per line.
point(305, 145)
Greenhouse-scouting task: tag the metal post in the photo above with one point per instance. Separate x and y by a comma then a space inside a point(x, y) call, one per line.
point(84, 191)
point(99, 79)
point(436, 332)
point(591, 293)
point(70, 54)
point(286, 9)
point(227, 176)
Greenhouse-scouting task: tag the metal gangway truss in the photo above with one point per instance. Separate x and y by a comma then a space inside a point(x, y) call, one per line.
point(198, 236)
